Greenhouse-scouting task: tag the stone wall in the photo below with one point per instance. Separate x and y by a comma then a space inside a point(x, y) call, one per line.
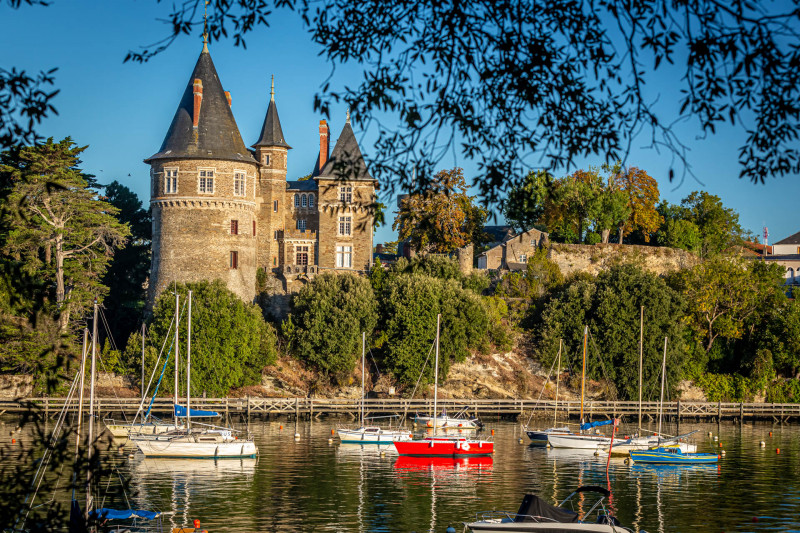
point(271, 204)
point(593, 259)
point(15, 386)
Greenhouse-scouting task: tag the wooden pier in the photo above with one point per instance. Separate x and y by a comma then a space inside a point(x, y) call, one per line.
point(316, 408)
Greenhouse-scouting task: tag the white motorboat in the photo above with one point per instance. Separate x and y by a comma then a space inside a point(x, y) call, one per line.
point(625, 446)
point(537, 516)
point(578, 441)
point(372, 435)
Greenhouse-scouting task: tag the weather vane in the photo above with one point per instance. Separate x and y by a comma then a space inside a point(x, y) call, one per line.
point(205, 25)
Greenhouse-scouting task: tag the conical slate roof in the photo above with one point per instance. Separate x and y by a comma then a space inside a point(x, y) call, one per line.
point(216, 136)
point(346, 161)
point(271, 132)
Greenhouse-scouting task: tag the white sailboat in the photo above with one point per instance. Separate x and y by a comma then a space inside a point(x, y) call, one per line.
point(369, 434)
point(204, 442)
point(581, 441)
point(539, 437)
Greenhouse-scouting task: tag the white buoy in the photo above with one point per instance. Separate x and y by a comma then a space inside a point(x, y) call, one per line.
point(330, 441)
point(130, 456)
point(709, 433)
point(716, 439)
point(722, 452)
point(297, 436)
point(762, 444)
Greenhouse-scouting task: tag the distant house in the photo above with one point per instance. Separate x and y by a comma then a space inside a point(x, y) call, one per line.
point(513, 251)
point(788, 246)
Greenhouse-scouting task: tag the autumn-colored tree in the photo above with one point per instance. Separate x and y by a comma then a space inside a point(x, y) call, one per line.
point(441, 218)
point(61, 230)
point(642, 192)
point(573, 201)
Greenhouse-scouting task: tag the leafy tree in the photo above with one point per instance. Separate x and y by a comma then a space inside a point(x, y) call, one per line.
point(409, 305)
point(723, 294)
point(330, 313)
point(231, 343)
point(718, 225)
point(441, 218)
point(611, 210)
point(574, 200)
point(523, 82)
point(24, 102)
point(62, 230)
point(642, 193)
point(610, 306)
point(128, 272)
point(675, 231)
point(541, 275)
point(390, 247)
point(524, 206)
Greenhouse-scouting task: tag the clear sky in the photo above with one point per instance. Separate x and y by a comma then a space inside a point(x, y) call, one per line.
point(123, 110)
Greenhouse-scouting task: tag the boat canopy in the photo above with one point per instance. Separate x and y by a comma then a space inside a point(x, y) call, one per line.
point(532, 506)
point(117, 514)
point(180, 412)
point(590, 425)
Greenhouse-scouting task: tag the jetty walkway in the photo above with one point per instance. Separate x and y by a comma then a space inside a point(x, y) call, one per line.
point(305, 408)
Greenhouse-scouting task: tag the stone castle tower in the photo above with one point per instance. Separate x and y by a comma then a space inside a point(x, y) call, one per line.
point(223, 211)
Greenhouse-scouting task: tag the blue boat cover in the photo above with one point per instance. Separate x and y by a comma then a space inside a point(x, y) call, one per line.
point(180, 411)
point(590, 425)
point(114, 514)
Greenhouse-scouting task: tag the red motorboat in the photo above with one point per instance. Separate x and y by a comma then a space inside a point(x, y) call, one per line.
point(445, 446)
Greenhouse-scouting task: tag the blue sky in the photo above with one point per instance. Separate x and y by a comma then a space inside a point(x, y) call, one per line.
point(122, 110)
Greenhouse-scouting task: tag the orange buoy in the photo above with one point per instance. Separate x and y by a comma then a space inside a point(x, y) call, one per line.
point(770, 433)
point(281, 427)
point(331, 431)
point(720, 445)
point(492, 432)
point(777, 450)
point(13, 441)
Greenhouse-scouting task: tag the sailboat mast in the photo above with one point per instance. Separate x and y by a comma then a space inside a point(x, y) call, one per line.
point(91, 416)
point(363, 360)
point(189, 362)
point(176, 356)
point(558, 373)
point(583, 371)
point(142, 382)
point(663, 375)
point(80, 394)
point(436, 376)
point(641, 351)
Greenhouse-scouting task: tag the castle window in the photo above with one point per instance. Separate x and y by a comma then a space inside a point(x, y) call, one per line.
point(234, 260)
point(523, 258)
point(275, 206)
point(239, 183)
point(254, 228)
point(344, 257)
point(297, 200)
point(266, 159)
point(301, 255)
point(346, 194)
point(234, 227)
point(206, 182)
point(345, 225)
point(275, 236)
point(274, 261)
point(170, 180)
point(310, 200)
point(304, 201)
point(301, 224)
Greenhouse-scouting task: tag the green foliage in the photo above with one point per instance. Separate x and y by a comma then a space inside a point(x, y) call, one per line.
point(541, 275)
point(331, 312)
point(231, 343)
point(525, 204)
point(409, 305)
point(726, 387)
point(497, 315)
point(700, 224)
point(610, 305)
point(111, 359)
point(677, 232)
point(784, 391)
point(477, 281)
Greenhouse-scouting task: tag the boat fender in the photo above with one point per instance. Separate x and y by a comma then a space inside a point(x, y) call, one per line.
point(216, 451)
point(430, 445)
point(458, 445)
point(465, 446)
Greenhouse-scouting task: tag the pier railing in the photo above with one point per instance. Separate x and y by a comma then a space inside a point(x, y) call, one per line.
point(254, 406)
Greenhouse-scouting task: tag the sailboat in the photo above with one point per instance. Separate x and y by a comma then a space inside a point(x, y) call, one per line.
point(539, 436)
point(205, 442)
point(441, 445)
point(583, 441)
point(369, 434)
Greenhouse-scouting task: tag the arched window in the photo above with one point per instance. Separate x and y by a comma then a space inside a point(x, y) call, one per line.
point(310, 200)
point(297, 200)
point(304, 201)
point(790, 274)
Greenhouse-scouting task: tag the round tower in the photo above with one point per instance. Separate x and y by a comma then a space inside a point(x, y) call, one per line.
point(203, 193)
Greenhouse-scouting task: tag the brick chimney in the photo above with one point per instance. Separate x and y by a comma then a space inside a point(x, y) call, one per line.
point(378, 248)
point(198, 101)
point(323, 143)
point(228, 97)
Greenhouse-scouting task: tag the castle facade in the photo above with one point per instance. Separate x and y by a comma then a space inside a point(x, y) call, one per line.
point(223, 211)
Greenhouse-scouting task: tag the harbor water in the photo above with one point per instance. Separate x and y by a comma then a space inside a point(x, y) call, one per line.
point(311, 484)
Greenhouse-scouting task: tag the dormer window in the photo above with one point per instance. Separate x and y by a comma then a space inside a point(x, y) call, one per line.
point(346, 194)
point(170, 180)
point(205, 184)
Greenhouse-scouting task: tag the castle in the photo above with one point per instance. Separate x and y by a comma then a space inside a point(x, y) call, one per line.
point(223, 211)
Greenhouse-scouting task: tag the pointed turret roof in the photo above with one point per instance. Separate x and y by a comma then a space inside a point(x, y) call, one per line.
point(216, 136)
point(346, 161)
point(271, 132)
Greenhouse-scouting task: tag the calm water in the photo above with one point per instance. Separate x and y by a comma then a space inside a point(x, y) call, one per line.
point(311, 485)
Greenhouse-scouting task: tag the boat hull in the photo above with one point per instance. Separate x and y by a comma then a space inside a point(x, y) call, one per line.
point(444, 448)
point(539, 437)
point(124, 430)
point(192, 449)
point(663, 458)
point(539, 527)
point(359, 436)
point(447, 422)
point(578, 442)
point(623, 449)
